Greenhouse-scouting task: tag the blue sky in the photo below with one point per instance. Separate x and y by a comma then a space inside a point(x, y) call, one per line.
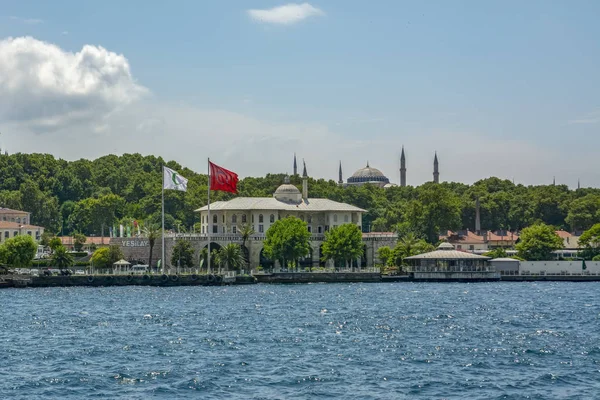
point(497, 88)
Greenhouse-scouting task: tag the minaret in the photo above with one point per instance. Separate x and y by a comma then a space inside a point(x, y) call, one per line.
point(477, 216)
point(304, 183)
point(436, 170)
point(341, 181)
point(554, 181)
point(578, 184)
point(295, 165)
point(402, 169)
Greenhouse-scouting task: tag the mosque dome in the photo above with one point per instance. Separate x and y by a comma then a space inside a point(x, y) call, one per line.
point(368, 174)
point(288, 192)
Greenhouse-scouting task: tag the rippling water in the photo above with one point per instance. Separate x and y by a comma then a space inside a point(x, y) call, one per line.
point(387, 340)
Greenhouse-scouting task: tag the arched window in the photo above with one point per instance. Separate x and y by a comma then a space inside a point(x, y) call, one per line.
point(334, 217)
point(234, 219)
point(309, 219)
point(223, 218)
point(260, 218)
point(215, 219)
point(243, 218)
point(345, 218)
point(272, 218)
point(19, 220)
point(301, 217)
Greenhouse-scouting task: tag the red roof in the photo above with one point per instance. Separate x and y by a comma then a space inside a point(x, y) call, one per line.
point(68, 240)
point(473, 238)
point(563, 234)
point(16, 225)
point(508, 236)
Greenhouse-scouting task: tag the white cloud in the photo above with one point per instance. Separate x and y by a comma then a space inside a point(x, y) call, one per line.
point(287, 14)
point(45, 87)
point(87, 104)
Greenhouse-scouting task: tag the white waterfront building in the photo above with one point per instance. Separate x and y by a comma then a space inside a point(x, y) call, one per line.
point(226, 218)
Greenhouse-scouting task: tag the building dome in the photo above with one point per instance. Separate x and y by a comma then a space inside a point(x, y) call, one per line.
point(288, 192)
point(445, 246)
point(287, 189)
point(368, 175)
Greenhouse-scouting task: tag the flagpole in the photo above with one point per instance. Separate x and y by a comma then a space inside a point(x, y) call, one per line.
point(208, 225)
point(162, 260)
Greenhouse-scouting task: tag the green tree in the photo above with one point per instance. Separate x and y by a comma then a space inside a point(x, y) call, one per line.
point(79, 240)
point(203, 258)
point(101, 258)
point(583, 212)
point(496, 253)
point(246, 231)
point(231, 256)
point(152, 232)
point(287, 240)
point(408, 246)
point(105, 257)
point(46, 237)
point(18, 252)
point(537, 242)
point(440, 210)
point(61, 259)
point(54, 243)
point(183, 254)
point(589, 241)
point(215, 260)
point(343, 245)
point(384, 254)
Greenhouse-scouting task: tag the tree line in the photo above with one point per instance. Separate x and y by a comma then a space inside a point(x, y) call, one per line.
point(90, 196)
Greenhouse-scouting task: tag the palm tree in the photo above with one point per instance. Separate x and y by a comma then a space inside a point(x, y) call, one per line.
point(232, 257)
point(246, 230)
point(409, 246)
point(61, 258)
point(152, 231)
point(215, 257)
point(203, 257)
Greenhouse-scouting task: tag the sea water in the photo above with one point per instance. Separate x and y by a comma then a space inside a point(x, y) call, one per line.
point(364, 341)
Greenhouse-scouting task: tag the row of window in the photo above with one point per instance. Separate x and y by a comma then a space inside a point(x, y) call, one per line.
point(271, 218)
point(16, 233)
point(17, 220)
point(261, 229)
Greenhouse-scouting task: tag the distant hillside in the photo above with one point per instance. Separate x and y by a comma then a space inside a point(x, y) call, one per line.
point(85, 195)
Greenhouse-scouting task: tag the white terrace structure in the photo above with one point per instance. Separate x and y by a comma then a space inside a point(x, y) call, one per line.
point(446, 263)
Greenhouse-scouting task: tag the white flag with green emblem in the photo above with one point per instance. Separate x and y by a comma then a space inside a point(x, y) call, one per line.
point(172, 180)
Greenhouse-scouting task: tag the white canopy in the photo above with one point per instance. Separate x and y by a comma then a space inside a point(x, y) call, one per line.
point(122, 262)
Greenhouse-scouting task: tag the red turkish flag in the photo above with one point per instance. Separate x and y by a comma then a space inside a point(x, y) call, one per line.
point(222, 179)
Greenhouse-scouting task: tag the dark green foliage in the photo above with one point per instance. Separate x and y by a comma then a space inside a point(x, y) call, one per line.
point(343, 244)
point(183, 254)
point(105, 257)
point(61, 259)
point(537, 242)
point(91, 196)
point(79, 240)
point(18, 252)
point(287, 240)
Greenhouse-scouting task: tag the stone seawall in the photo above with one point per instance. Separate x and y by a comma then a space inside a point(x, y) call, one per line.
point(550, 278)
point(139, 280)
point(456, 276)
point(318, 277)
